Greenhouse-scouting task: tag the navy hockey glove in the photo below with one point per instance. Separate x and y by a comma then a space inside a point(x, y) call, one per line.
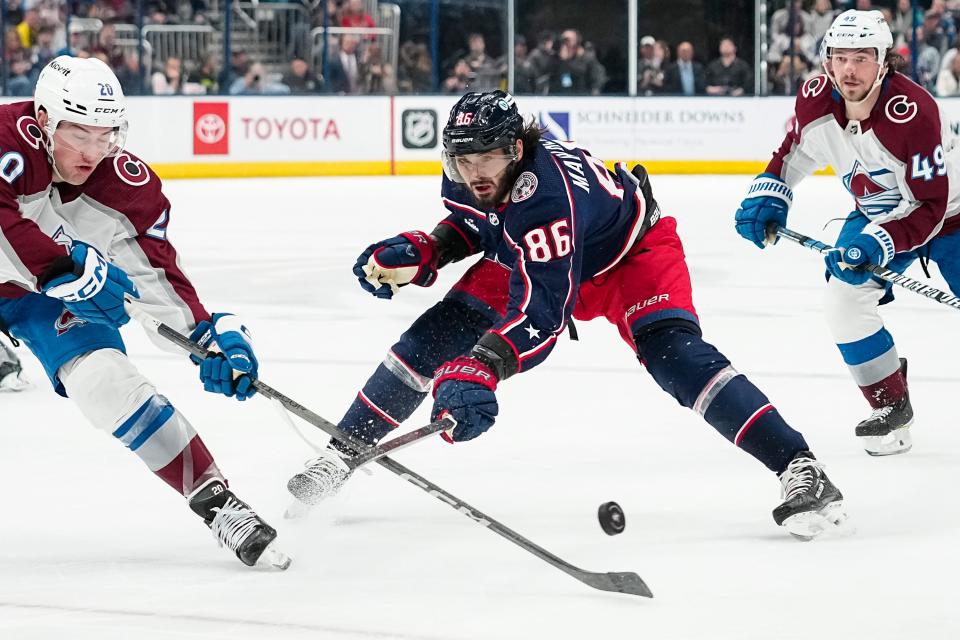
point(409, 258)
point(845, 263)
point(232, 370)
point(464, 390)
point(768, 200)
point(90, 287)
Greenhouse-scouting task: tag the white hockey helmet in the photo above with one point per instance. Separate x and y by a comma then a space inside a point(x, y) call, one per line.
point(83, 91)
point(858, 30)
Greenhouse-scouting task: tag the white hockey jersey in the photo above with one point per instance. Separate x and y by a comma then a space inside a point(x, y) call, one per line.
point(901, 165)
point(120, 210)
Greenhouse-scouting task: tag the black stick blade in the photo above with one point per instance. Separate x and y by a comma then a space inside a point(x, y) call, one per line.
point(622, 582)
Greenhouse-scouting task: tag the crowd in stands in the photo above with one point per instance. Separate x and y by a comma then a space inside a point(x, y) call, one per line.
point(557, 63)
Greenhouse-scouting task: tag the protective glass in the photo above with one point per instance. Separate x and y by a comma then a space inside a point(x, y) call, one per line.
point(90, 143)
point(488, 164)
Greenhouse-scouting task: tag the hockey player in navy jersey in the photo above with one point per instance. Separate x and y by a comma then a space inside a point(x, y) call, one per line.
point(558, 236)
point(83, 224)
point(885, 137)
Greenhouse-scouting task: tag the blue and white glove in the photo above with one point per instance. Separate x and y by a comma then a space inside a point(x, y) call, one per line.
point(465, 391)
point(768, 200)
point(409, 258)
point(93, 289)
point(232, 370)
point(845, 262)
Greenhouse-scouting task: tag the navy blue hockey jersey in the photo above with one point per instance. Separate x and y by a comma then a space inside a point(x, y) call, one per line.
point(568, 220)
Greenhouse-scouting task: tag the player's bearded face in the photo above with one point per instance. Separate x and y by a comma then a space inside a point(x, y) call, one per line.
point(854, 71)
point(78, 149)
point(487, 175)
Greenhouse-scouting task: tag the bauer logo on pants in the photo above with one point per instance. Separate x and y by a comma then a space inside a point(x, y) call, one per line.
point(419, 128)
point(211, 128)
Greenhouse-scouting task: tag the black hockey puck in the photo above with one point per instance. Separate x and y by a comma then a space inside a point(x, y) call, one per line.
point(611, 517)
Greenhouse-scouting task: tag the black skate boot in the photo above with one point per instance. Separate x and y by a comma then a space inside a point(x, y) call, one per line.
point(811, 503)
point(887, 431)
point(236, 525)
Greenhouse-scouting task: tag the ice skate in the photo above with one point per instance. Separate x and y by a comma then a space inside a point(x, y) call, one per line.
point(887, 431)
point(322, 479)
point(11, 373)
point(811, 503)
point(235, 525)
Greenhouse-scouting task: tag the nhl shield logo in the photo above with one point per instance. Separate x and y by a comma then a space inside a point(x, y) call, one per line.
point(419, 128)
point(524, 187)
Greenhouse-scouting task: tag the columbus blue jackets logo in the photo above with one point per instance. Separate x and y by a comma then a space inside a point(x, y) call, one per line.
point(870, 189)
point(67, 321)
point(524, 187)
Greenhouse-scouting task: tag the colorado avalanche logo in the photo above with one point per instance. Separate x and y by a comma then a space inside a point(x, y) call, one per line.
point(868, 189)
point(814, 86)
point(900, 110)
point(29, 130)
point(132, 171)
point(524, 187)
point(67, 321)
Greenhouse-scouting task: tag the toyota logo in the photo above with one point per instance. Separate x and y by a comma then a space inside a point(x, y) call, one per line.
point(210, 128)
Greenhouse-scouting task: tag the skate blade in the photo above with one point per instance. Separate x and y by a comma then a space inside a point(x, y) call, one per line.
point(275, 558)
point(807, 526)
point(896, 442)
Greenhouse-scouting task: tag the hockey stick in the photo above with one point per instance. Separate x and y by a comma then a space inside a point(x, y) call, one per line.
point(619, 582)
point(883, 273)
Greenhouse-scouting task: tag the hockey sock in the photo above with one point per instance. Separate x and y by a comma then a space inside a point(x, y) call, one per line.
point(701, 378)
point(875, 367)
point(888, 391)
point(385, 401)
point(168, 445)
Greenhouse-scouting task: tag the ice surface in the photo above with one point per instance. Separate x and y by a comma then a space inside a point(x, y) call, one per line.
point(94, 546)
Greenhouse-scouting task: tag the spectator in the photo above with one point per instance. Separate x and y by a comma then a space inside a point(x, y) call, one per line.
point(802, 43)
point(576, 70)
point(27, 29)
point(376, 75)
point(129, 74)
point(344, 66)
point(301, 79)
point(78, 44)
point(524, 77)
point(821, 18)
point(948, 24)
point(863, 5)
point(43, 51)
point(948, 80)
point(685, 76)
point(780, 21)
point(459, 80)
point(648, 66)
point(903, 20)
point(17, 58)
point(928, 61)
point(541, 62)
point(255, 82)
point(416, 71)
point(784, 83)
point(486, 73)
point(354, 15)
point(169, 81)
point(206, 76)
point(107, 44)
point(934, 33)
point(729, 75)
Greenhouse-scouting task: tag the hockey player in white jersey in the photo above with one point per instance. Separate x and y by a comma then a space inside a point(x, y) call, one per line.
point(886, 139)
point(83, 224)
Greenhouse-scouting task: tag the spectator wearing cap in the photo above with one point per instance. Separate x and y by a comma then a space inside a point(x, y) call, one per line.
point(686, 76)
point(729, 75)
point(649, 67)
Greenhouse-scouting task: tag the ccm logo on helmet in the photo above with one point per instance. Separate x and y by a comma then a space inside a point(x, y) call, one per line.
point(107, 110)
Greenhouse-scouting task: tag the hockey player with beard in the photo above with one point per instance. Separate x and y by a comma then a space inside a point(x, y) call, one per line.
point(886, 138)
point(559, 237)
point(83, 225)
